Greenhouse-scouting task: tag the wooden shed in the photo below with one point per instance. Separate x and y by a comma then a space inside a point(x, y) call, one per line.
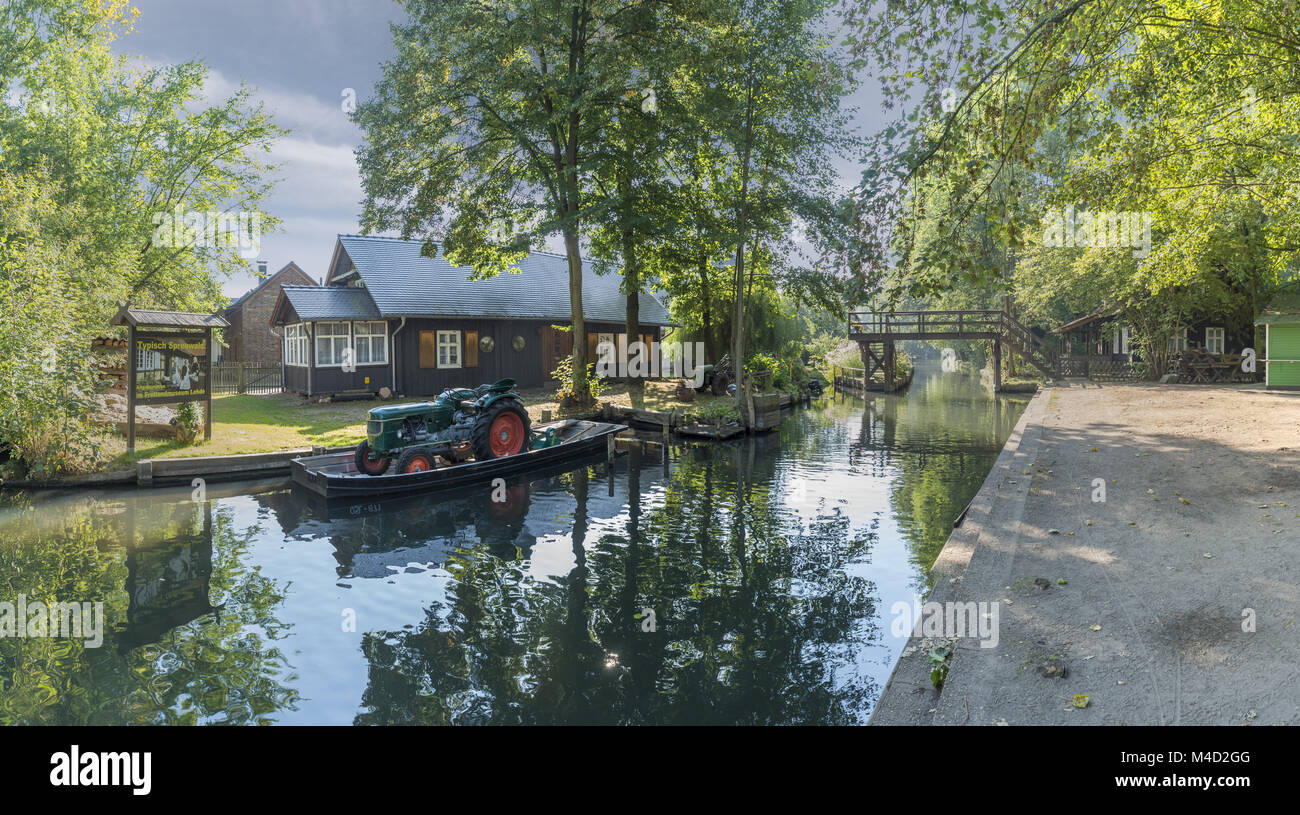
point(1281, 321)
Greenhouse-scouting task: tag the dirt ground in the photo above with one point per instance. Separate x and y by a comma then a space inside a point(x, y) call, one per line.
point(1170, 597)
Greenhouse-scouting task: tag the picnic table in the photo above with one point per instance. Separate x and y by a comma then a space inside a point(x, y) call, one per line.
point(1198, 366)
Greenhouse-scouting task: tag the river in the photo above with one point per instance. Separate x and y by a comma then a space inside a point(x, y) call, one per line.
point(748, 582)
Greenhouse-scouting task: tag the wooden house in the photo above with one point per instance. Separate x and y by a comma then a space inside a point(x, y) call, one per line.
point(417, 325)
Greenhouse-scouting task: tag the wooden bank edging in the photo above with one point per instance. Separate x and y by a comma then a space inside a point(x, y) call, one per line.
point(909, 695)
point(158, 472)
point(164, 471)
point(768, 410)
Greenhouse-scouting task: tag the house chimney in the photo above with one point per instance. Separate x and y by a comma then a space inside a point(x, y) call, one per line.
point(261, 268)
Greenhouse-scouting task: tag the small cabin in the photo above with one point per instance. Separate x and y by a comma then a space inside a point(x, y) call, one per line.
point(391, 320)
point(1281, 321)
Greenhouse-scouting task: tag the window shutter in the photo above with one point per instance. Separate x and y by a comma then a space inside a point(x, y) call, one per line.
point(592, 341)
point(471, 349)
point(428, 349)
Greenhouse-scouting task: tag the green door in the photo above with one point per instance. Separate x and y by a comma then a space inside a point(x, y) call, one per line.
point(1284, 355)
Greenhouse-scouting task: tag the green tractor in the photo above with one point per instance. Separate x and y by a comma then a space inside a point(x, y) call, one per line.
point(489, 420)
point(717, 376)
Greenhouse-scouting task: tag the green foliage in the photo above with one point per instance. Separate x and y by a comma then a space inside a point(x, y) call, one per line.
point(587, 390)
point(97, 154)
point(938, 658)
point(47, 387)
point(1186, 113)
point(189, 420)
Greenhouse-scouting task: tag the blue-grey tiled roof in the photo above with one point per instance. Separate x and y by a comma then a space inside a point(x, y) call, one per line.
point(330, 303)
point(403, 283)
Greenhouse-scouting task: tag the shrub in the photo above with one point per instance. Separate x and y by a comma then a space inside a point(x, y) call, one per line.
point(188, 422)
point(564, 373)
point(47, 382)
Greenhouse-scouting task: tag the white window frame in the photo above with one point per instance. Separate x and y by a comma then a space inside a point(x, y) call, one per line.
point(364, 330)
point(450, 340)
point(1119, 340)
point(296, 348)
point(1212, 334)
point(323, 332)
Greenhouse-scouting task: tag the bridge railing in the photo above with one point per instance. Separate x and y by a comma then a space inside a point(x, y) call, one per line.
point(923, 322)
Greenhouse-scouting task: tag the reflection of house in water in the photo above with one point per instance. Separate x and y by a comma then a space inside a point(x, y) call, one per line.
point(167, 582)
point(370, 536)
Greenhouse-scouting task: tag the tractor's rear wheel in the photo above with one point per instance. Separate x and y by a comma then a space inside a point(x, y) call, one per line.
point(720, 383)
point(364, 463)
point(416, 460)
point(501, 430)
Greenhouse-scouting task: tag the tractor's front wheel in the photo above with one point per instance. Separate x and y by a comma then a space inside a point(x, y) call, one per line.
point(501, 430)
point(364, 463)
point(416, 460)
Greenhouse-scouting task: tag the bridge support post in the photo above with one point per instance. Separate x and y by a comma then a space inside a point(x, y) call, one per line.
point(889, 366)
point(997, 366)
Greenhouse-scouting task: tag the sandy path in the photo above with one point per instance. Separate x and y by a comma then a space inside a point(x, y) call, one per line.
point(1196, 542)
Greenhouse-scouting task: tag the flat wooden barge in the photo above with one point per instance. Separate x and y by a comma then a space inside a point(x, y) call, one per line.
point(335, 475)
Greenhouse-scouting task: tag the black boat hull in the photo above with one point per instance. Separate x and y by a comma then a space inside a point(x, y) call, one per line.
point(335, 475)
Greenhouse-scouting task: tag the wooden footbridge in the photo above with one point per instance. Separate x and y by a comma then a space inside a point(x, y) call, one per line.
point(880, 330)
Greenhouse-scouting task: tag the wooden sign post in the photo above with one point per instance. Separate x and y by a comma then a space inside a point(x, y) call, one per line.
point(169, 360)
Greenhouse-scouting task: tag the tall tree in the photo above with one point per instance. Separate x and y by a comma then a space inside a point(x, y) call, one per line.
point(777, 106)
point(484, 126)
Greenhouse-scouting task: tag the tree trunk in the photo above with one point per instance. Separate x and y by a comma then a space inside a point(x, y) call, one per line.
point(632, 279)
point(578, 382)
point(705, 296)
point(742, 212)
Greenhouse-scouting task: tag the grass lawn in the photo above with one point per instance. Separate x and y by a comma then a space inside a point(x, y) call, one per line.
point(262, 424)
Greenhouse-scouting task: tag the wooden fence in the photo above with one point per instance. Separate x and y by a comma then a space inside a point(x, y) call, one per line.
point(1099, 368)
point(234, 377)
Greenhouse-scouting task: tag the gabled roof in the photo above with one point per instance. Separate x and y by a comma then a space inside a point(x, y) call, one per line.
point(327, 303)
point(1284, 308)
point(1088, 319)
point(239, 301)
point(404, 283)
point(178, 319)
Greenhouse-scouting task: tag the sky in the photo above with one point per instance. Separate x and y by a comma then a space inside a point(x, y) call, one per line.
point(301, 57)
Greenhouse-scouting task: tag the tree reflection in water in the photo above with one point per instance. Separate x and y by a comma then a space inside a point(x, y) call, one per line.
point(742, 582)
point(170, 655)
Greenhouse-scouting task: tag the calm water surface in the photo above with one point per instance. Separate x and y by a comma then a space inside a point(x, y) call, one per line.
point(745, 582)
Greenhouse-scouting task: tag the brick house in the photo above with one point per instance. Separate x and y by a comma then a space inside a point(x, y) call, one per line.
point(249, 338)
